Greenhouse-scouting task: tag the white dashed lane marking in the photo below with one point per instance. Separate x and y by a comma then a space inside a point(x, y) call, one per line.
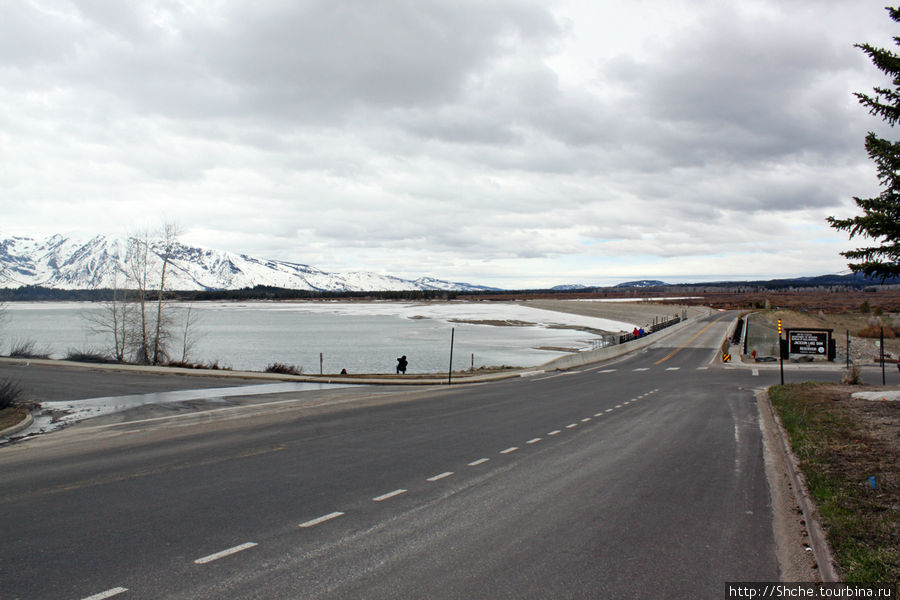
point(641, 369)
point(321, 519)
point(387, 496)
point(224, 553)
point(480, 461)
point(555, 432)
point(533, 441)
point(107, 594)
point(608, 371)
point(571, 425)
point(508, 450)
point(440, 476)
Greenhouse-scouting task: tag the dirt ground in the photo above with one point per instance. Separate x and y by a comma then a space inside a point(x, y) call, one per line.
point(862, 349)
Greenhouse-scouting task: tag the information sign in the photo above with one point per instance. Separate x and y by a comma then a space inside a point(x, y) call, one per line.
point(808, 342)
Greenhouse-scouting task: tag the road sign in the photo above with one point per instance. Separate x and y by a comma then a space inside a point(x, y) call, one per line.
point(726, 357)
point(808, 342)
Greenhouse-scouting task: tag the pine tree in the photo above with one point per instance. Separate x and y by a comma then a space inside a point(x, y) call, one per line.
point(881, 215)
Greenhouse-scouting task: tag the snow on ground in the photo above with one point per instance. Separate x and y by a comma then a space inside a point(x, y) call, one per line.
point(453, 311)
point(886, 396)
point(56, 415)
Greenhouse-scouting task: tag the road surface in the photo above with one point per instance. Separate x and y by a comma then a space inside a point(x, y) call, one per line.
point(636, 478)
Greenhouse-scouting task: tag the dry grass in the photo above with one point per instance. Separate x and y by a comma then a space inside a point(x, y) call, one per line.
point(841, 442)
point(12, 415)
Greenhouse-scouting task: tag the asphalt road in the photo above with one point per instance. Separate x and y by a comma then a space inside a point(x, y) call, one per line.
point(638, 478)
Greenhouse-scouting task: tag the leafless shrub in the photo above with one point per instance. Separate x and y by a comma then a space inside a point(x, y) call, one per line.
point(284, 369)
point(851, 375)
point(28, 349)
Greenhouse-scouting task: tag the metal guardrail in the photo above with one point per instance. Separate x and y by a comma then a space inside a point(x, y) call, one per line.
point(627, 337)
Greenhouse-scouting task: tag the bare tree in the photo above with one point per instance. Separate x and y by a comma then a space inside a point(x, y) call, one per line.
point(189, 335)
point(138, 264)
point(170, 238)
point(140, 333)
point(115, 319)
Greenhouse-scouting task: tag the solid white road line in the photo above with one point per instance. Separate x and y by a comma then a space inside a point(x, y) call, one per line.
point(224, 553)
point(388, 495)
point(533, 441)
point(563, 374)
point(107, 594)
point(480, 461)
point(441, 476)
point(554, 432)
point(321, 519)
point(510, 449)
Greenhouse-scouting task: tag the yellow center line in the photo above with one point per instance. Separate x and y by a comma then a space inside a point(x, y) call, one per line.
point(684, 345)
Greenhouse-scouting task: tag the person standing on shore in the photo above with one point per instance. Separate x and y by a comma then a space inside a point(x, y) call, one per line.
point(401, 365)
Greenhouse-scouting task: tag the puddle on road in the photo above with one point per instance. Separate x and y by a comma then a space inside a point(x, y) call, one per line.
point(58, 414)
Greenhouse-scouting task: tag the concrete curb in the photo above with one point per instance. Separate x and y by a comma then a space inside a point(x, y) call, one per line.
point(817, 539)
point(24, 424)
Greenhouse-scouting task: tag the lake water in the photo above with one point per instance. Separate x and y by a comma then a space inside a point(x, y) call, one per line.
point(359, 337)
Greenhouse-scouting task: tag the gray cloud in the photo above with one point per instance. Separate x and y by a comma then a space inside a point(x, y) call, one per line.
point(468, 135)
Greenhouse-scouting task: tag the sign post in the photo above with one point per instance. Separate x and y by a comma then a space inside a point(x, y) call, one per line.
point(450, 371)
point(780, 353)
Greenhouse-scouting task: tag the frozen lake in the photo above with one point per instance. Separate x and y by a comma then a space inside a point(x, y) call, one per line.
point(361, 337)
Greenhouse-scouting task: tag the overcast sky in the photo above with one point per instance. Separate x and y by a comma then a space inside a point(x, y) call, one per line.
point(507, 143)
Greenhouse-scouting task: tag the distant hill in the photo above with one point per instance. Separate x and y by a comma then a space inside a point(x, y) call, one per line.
point(854, 280)
point(643, 283)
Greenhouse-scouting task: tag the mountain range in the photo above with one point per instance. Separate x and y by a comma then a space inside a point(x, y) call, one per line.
point(60, 262)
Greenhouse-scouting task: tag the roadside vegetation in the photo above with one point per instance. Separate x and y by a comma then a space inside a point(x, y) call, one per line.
point(844, 446)
point(13, 407)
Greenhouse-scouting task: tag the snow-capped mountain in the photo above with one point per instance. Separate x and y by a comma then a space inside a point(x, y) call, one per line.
point(63, 263)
